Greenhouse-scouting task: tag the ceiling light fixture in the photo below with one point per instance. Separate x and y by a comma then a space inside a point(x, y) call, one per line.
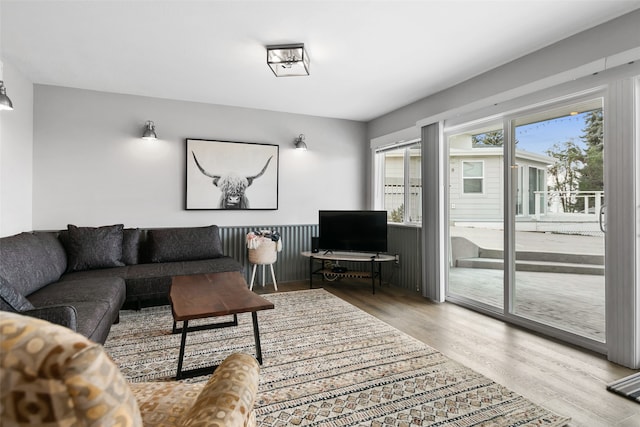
point(300, 144)
point(149, 131)
point(286, 60)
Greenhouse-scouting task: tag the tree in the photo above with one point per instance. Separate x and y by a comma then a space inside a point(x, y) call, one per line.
point(565, 172)
point(397, 215)
point(592, 174)
point(492, 138)
point(593, 132)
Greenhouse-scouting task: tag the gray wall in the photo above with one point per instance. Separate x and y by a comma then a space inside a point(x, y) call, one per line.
point(91, 168)
point(566, 60)
point(16, 153)
point(604, 56)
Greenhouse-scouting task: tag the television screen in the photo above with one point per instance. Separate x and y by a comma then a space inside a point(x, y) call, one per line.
point(358, 231)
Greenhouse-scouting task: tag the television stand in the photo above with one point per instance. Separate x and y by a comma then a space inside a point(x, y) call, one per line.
point(372, 259)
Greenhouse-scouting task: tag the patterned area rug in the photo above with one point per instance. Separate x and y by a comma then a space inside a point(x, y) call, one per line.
point(327, 363)
point(628, 387)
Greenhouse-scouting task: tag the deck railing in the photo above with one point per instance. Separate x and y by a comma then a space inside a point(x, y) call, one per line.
point(592, 202)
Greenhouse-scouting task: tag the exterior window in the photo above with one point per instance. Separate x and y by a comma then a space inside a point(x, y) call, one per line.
point(537, 187)
point(472, 177)
point(399, 176)
point(414, 196)
point(394, 185)
point(519, 191)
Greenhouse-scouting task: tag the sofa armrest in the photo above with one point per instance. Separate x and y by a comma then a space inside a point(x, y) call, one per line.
point(63, 315)
point(229, 395)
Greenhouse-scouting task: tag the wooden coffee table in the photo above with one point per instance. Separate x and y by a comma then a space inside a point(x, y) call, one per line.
point(202, 296)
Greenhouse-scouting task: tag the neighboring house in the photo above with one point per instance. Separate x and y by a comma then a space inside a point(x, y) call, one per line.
point(477, 176)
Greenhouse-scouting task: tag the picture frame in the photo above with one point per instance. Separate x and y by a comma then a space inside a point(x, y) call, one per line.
point(227, 175)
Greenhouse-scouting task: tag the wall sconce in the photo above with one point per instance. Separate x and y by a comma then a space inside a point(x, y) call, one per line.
point(300, 144)
point(286, 60)
point(5, 102)
point(149, 131)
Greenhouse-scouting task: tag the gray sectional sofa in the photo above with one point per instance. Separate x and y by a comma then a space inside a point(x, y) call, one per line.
point(82, 276)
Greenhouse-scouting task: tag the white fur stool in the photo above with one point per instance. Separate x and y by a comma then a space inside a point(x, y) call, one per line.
point(265, 254)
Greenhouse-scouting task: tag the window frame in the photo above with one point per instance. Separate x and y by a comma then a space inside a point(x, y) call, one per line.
point(379, 156)
point(540, 172)
point(482, 178)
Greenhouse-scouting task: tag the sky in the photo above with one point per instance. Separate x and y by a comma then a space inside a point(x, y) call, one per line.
point(541, 136)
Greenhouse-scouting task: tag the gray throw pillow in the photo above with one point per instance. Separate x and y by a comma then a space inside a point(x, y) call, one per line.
point(12, 300)
point(93, 247)
point(131, 241)
point(184, 244)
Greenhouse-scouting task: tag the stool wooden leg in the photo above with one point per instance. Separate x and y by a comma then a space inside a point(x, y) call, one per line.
point(273, 276)
point(253, 276)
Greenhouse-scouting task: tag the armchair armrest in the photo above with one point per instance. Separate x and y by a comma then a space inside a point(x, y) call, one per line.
point(64, 315)
point(229, 395)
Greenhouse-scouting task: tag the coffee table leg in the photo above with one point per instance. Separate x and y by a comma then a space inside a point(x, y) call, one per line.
point(256, 336)
point(183, 342)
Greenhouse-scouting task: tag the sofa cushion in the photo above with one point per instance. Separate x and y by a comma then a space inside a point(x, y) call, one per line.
point(184, 244)
point(93, 247)
point(181, 268)
point(12, 300)
point(131, 242)
point(25, 249)
point(96, 274)
point(153, 280)
point(63, 315)
point(108, 289)
point(54, 249)
point(94, 320)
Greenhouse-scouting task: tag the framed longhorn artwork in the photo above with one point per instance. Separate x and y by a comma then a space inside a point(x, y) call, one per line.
point(231, 175)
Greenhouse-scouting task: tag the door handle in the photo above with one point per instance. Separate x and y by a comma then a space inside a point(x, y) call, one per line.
point(601, 218)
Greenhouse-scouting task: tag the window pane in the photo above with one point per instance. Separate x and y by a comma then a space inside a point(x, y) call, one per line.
point(476, 215)
point(472, 185)
point(398, 174)
point(520, 186)
point(563, 148)
point(536, 190)
point(394, 184)
point(415, 184)
point(472, 169)
point(533, 190)
point(472, 177)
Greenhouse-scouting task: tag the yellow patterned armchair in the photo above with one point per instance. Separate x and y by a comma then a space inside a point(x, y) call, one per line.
point(52, 376)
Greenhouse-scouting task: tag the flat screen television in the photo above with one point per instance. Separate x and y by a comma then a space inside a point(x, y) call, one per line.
point(357, 231)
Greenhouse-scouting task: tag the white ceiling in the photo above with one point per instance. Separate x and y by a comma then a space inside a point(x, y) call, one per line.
point(367, 57)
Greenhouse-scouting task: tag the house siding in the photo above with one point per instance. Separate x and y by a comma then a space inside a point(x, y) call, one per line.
point(477, 207)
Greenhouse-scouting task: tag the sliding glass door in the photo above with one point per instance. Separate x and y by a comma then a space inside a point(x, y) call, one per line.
point(476, 214)
point(559, 245)
point(526, 204)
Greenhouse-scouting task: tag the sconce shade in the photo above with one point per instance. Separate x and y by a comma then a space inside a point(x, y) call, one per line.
point(149, 131)
point(5, 102)
point(286, 60)
point(300, 144)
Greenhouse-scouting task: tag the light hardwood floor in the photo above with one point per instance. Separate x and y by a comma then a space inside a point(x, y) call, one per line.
point(563, 378)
